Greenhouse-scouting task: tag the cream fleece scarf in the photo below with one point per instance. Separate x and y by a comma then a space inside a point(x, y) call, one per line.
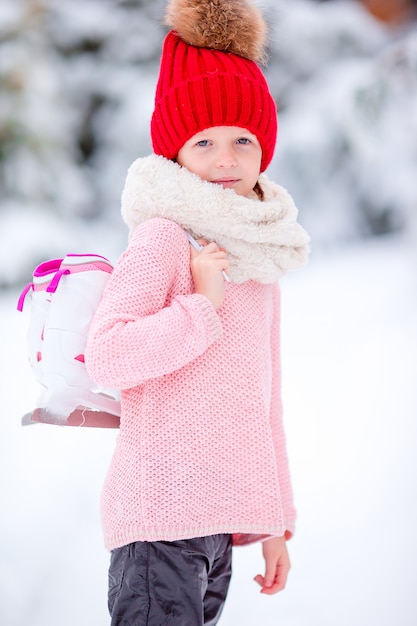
point(263, 239)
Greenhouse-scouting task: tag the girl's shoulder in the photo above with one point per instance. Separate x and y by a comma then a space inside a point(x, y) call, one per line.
point(159, 232)
point(158, 245)
point(159, 226)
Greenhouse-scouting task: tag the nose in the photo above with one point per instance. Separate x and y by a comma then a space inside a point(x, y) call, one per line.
point(226, 159)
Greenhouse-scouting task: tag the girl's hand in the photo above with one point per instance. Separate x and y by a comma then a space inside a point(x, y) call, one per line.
point(206, 268)
point(277, 566)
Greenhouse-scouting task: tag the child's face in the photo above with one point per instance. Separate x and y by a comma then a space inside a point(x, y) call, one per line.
point(226, 155)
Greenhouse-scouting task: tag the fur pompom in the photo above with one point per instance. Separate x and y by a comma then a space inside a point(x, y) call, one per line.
point(229, 25)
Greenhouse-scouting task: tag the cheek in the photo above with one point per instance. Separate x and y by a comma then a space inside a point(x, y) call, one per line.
point(194, 164)
point(181, 159)
point(254, 167)
point(185, 158)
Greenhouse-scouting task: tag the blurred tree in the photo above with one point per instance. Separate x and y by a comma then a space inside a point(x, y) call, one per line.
point(77, 82)
point(67, 72)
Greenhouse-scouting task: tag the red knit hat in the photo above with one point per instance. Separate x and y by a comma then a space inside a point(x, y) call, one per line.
point(205, 83)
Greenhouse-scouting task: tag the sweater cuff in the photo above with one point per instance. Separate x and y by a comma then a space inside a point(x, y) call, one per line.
point(213, 325)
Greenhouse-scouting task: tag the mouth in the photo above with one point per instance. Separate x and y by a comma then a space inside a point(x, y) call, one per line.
point(226, 182)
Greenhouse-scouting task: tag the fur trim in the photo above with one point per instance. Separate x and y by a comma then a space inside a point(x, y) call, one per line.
point(229, 25)
point(263, 240)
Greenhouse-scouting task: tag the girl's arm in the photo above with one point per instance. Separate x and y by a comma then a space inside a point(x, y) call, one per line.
point(275, 553)
point(134, 335)
point(277, 424)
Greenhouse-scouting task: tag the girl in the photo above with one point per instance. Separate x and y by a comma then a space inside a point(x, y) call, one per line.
point(191, 337)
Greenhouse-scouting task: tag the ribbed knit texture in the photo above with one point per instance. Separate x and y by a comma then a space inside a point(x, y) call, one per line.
point(198, 88)
point(201, 448)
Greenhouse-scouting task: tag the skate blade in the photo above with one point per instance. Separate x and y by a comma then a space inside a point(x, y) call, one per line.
point(81, 417)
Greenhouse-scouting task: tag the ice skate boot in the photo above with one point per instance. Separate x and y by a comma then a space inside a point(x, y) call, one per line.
point(69, 396)
point(40, 300)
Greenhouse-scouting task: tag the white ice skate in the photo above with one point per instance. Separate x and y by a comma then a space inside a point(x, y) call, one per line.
point(40, 301)
point(64, 296)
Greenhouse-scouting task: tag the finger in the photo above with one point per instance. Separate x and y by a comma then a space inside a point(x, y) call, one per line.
point(277, 583)
point(217, 255)
point(205, 257)
point(194, 253)
point(266, 587)
point(269, 589)
point(271, 568)
point(207, 248)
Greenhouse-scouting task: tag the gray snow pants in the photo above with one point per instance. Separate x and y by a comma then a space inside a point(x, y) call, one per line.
point(163, 583)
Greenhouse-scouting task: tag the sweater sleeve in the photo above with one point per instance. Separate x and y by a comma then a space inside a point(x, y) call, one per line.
point(277, 424)
point(138, 333)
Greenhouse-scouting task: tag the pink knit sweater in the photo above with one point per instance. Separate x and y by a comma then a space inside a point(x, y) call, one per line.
point(201, 448)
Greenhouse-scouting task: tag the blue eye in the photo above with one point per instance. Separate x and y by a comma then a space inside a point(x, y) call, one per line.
point(243, 140)
point(203, 143)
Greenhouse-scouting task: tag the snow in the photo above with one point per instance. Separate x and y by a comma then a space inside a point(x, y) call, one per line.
point(349, 344)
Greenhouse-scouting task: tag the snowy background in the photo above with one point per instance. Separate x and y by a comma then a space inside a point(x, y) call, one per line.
point(76, 82)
